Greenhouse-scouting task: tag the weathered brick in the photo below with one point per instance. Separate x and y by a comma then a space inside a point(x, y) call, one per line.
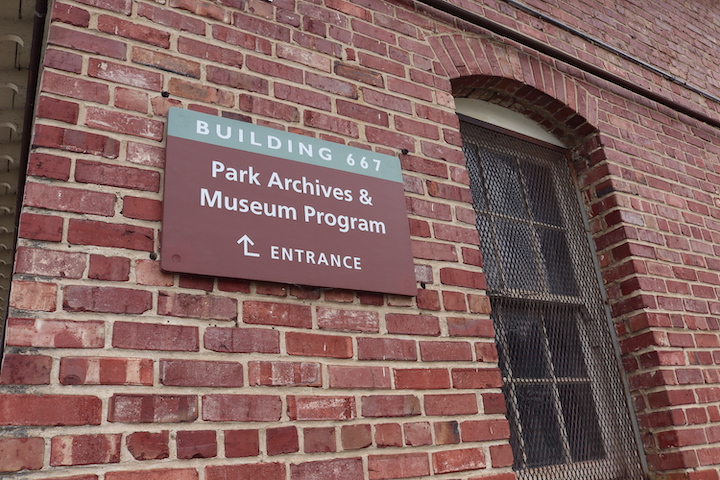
point(49, 410)
point(406, 465)
point(50, 263)
point(106, 371)
point(25, 369)
point(33, 296)
point(345, 468)
point(75, 87)
point(196, 444)
point(115, 269)
point(484, 430)
point(29, 332)
point(52, 197)
point(320, 439)
point(281, 440)
point(402, 323)
point(133, 31)
point(390, 406)
point(148, 445)
point(198, 373)
point(314, 345)
point(166, 61)
point(78, 298)
point(241, 408)
point(75, 141)
point(276, 374)
point(197, 306)
point(121, 122)
point(156, 474)
point(242, 340)
point(86, 42)
point(18, 454)
point(458, 460)
point(446, 405)
point(386, 349)
point(242, 443)
point(139, 408)
point(68, 450)
point(476, 378)
point(101, 234)
point(280, 314)
point(348, 320)
point(116, 176)
point(320, 407)
point(151, 336)
point(352, 377)
point(59, 110)
point(264, 471)
point(421, 378)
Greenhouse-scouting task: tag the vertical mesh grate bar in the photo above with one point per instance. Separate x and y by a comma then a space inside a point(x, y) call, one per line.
point(566, 403)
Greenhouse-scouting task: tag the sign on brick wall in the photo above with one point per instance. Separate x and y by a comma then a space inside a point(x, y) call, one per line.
point(245, 201)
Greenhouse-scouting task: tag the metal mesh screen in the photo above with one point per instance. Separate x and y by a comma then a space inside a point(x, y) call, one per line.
point(566, 403)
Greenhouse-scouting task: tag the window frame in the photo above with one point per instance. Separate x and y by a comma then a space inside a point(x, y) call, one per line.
point(596, 469)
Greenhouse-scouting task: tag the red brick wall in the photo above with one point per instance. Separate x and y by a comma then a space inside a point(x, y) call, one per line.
point(116, 370)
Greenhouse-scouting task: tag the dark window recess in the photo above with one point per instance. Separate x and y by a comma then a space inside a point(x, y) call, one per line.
point(566, 403)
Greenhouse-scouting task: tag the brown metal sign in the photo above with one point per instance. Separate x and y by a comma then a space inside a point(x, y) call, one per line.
point(245, 201)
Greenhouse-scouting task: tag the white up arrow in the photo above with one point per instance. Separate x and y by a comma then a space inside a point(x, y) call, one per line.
point(246, 242)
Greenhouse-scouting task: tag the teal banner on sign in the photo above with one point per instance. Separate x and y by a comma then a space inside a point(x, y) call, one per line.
point(248, 137)
point(243, 201)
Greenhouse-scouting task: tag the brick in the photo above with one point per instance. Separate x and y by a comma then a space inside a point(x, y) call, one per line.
point(360, 74)
point(131, 99)
point(143, 154)
point(75, 141)
point(25, 370)
point(74, 87)
point(242, 443)
point(66, 61)
point(388, 435)
point(121, 6)
point(417, 434)
point(86, 42)
point(197, 373)
point(445, 351)
point(116, 176)
point(277, 374)
point(114, 269)
point(133, 31)
point(197, 306)
point(354, 377)
point(476, 378)
point(69, 450)
point(446, 433)
point(390, 406)
point(77, 298)
point(166, 62)
point(242, 340)
point(210, 53)
point(462, 278)
point(150, 336)
point(258, 471)
point(120, 122)
point(282, 440)
point(320, 407)
point(59, 110)
point(355, 437)
point(101, 234)
point(406, 465)
point(49, 166)
point(386, 349)
point(50, 263)
point(345, 468)
point(18, 454)
point(409, 324)
point(139, 408)
point(196, 444)
point(458, 460)
point(238, 80)
point(106, 371)
point(204, 9)
point(470, 327)
point(70, 15)
point(454, 301)
point(148, 445)
point(280, 314)
point(156, 474)
point(241, 408)
point(332, 124)
point(147, 272)
point(458, 404)
point(320, 439)
point(33, 296)
point(49, 410)
point(28, 332)
point(421, 378)
point(348, 320)
point(142, 208)
point(200, 92)
point(484, 430)
point(52, 197)
point(309, 344)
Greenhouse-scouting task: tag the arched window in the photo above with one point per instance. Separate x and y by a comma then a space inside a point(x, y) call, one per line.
point(567, 405)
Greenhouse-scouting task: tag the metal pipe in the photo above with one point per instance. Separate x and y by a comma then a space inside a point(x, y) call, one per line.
point(564, 57)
